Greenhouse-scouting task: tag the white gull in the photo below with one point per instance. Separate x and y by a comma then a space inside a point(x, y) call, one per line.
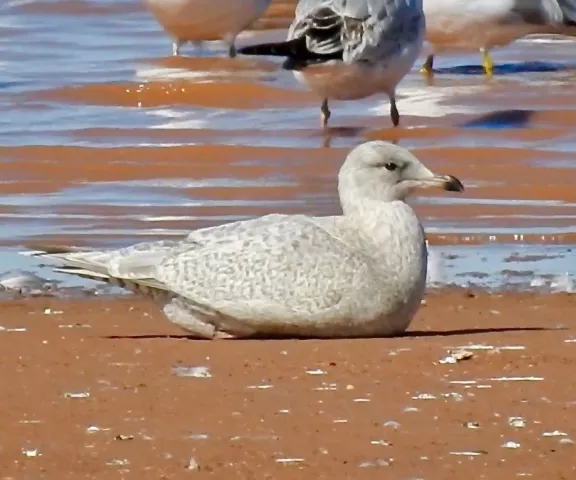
point(359, 274)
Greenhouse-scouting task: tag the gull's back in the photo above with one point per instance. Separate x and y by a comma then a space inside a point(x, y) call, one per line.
point(359, 9)
point(364, 30)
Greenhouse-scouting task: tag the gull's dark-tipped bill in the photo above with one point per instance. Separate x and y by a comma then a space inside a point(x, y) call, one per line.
point(453, 184)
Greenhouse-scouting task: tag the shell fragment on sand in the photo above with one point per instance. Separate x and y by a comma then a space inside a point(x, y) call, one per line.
point(457, 356)
point(196, 372)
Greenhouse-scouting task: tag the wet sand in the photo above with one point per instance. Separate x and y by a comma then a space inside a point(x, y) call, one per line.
point(108, 141)
point(102, 387)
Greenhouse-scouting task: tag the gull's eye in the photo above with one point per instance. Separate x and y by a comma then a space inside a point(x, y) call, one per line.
point(390, 166)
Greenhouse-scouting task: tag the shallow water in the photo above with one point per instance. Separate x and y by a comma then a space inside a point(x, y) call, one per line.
point(105, 140)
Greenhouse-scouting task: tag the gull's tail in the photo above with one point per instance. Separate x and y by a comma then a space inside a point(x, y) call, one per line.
point(291, 48)
point(295, 51)
point(92, 264)
point(314, 37)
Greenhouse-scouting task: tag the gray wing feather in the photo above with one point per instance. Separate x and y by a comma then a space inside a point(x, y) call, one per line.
point(128, 263)
point(364, 30)
point(295, 264)
point(320, 24)
point(390, 25)
point(568, 8)
point(543, 12)
point(307, 7)
point(211, 234)
point(139, 261)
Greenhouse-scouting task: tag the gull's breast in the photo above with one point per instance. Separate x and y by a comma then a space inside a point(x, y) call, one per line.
point(355, 80)
point(196, 20)
point(468, 25)
point(446, 34)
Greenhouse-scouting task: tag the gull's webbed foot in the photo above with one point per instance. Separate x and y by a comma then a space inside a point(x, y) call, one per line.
point(487, 62)
point(427, 67)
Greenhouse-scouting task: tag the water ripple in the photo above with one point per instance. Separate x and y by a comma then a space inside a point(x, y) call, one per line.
point(105, 135)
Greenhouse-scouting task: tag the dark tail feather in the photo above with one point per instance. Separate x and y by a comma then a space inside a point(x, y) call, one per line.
point(295, 50)
point(291, 48)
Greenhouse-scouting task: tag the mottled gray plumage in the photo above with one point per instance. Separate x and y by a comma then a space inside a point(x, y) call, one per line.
point(364, 30)
point(361, 273)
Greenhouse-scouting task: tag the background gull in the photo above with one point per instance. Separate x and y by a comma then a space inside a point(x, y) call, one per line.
point(199, 20)
point(351, 49)
point(485, 24)
point(359, 274)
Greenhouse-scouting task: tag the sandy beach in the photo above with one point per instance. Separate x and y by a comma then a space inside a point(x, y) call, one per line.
point(107, 387)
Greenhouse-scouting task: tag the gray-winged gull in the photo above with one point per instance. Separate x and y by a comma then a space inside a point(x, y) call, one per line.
point(351, 49)
point(199, 20)
point(485, 24)
point(358, 274)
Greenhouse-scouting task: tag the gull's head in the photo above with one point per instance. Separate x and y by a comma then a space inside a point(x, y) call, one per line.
point(385, 172)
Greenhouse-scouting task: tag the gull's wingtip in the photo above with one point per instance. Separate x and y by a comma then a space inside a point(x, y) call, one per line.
point(277, 49)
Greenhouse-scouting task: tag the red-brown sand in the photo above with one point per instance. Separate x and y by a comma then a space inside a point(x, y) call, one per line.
point(90, 390)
